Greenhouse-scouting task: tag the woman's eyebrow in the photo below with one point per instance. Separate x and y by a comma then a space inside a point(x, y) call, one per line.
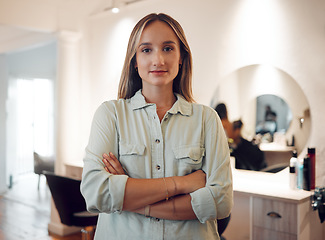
point(145, 44)
point(148, 43)
point(170, 42)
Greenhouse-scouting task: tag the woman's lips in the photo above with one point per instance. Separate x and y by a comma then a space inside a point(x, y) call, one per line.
point(158, 72)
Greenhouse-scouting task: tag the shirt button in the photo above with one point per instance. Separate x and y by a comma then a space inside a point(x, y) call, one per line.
point(158, 167)
point(157, 141)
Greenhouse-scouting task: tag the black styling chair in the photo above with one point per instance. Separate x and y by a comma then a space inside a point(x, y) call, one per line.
point(70, 204)
point(222, 225)
point(41, 164)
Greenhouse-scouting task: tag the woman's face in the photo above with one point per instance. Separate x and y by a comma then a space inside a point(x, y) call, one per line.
point(158, 56)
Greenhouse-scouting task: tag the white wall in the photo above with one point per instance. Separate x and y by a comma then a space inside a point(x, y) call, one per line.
point(225, 36)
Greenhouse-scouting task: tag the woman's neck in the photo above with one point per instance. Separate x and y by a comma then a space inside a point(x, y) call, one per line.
point(162, 98)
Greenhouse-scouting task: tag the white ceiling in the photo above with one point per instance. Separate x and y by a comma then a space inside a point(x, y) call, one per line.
point(13, 38)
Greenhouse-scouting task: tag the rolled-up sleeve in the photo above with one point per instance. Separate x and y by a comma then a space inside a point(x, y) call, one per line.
point(214, 201)
point(102, 191)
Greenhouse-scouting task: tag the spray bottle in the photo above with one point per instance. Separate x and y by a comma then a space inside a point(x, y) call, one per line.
point(293, 170)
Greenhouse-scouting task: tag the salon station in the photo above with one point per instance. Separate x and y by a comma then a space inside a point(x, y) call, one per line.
point(249, 54)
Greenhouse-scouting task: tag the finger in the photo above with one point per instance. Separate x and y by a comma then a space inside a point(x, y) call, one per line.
point(105, 160)
point(108, 167)
point(109, 163)
point(112, 156)
point(116, 163)
point(105, 156)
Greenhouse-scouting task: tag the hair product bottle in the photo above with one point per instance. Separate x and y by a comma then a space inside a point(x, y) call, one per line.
point(306, 181)
point(312, 157)
point(293, 170)
point(300, 175)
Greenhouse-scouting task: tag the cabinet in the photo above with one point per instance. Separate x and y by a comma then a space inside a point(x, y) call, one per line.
point(274, 219)
point(265, 208)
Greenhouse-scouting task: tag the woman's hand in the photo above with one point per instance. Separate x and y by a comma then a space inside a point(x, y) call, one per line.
point(191, 182)
point(112, 164)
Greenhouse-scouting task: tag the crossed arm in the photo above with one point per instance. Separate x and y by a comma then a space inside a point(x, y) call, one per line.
point(166, 198)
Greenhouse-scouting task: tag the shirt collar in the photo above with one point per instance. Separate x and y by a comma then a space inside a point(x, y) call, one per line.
point(180, 106)
point(138, 101)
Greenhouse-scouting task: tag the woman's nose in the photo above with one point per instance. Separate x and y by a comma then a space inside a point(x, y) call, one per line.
point(158, 59)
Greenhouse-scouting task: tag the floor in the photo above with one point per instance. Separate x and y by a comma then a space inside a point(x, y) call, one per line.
point(25, 211)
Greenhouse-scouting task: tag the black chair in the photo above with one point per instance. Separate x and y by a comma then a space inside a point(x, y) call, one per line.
point(41, 164)
point(222, 225)
point(70, 203)
point(275, 168)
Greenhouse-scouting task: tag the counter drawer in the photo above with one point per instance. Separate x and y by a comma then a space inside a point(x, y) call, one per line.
point(266, 234)
point(275, 215)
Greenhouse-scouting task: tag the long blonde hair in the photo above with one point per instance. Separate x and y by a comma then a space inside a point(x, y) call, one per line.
point(131, 82)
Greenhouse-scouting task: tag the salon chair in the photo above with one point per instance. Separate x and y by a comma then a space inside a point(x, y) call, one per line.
point(275, 168)
point(70, 204)
point(222, 225)
point(41, 164)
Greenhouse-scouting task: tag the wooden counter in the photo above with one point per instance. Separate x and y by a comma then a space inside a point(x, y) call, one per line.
point(73, 169)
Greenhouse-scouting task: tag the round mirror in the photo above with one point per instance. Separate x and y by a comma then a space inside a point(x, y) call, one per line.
point(246, 92)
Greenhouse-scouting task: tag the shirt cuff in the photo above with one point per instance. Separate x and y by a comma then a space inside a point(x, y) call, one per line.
point(117, 187)
point(203, 205)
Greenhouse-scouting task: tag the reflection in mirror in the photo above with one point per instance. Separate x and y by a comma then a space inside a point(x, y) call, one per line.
point(239, 91)
point(272, 115)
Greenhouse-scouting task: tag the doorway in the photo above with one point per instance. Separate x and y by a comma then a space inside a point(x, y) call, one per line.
point(30, 124)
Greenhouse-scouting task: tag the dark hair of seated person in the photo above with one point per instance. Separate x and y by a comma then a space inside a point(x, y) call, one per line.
point(221, 109)
point(247, 155)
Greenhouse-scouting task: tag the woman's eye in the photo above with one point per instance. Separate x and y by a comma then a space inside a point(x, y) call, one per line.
point(168, 49)
point(146, 50)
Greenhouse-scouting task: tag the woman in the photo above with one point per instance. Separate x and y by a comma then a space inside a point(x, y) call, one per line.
point(167, 173)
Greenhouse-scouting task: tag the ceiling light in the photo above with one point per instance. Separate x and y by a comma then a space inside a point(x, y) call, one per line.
point(115, 10)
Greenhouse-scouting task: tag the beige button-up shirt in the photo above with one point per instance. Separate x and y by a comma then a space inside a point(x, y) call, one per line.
point(189, 137)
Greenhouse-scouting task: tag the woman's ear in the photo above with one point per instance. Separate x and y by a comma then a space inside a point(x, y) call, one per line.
point(180, 63)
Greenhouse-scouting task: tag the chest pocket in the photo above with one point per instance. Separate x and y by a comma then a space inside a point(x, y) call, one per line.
point(132, 159)
point(188, 158)
point(131, 149)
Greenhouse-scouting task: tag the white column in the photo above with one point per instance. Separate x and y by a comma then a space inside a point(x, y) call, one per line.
point(67, 113)
point(68, 99)
point(3, 118)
